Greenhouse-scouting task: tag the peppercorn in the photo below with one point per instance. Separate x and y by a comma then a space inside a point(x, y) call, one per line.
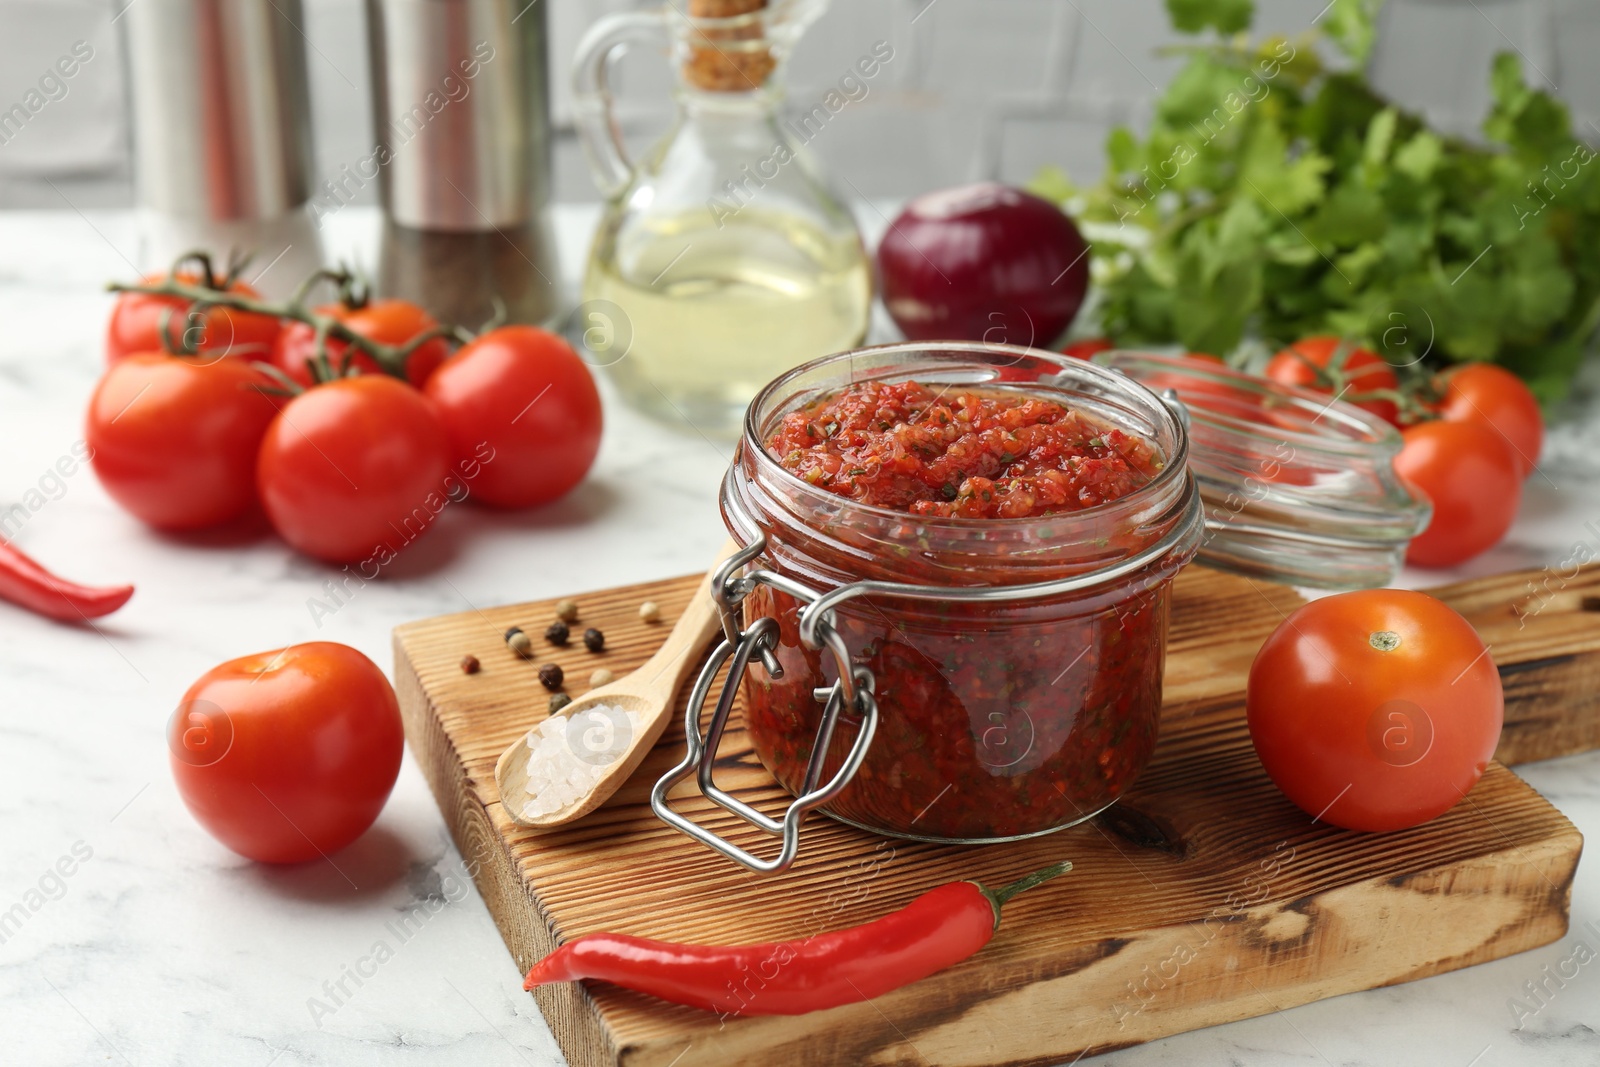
point(550, 676)
point(567, 610)
point(650, 611)
point(519, 642)
point(600, 677)
point(557, 633)
point(558, 701)
point(594, 640)
point(469, 664)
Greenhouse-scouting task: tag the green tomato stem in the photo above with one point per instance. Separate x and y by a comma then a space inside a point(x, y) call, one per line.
point(391, 359)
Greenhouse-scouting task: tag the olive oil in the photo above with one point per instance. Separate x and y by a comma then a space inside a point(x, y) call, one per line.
point(710, 308)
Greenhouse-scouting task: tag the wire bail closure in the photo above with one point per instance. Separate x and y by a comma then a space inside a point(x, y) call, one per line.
point(854, 688)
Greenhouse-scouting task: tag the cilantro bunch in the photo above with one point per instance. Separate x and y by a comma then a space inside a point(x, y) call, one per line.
point(1274, 197)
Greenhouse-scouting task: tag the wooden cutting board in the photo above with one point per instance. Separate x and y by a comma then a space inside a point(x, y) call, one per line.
point(1203, 897)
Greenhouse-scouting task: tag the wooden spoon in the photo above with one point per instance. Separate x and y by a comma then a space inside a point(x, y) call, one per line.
point(649, 692)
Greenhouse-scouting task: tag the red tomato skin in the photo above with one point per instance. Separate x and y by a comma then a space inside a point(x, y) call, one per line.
point(174, 440)
point(1495, 397)
point(135, 325)
point(313, 748)
point(354, 469)
point(1365, 370)
point(1322, 704)
point(525, 393)
point(389, 322)
point(1470, 476)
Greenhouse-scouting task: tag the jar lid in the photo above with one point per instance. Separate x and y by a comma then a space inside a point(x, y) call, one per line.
point(1296, 486)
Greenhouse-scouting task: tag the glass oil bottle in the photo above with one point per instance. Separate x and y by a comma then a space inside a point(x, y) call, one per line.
point(722, 258)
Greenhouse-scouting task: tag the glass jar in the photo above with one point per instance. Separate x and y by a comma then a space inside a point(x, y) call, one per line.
point(1297, 488)
point(978, 680)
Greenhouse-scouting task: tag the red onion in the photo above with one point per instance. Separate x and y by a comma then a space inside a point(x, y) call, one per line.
point(983, 262)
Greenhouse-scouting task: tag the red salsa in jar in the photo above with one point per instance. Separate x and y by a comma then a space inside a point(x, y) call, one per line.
point(963, 454)
point(996, 719)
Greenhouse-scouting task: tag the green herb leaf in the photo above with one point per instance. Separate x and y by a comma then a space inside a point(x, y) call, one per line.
point(1268, 196)
point(1226, 16)
point(1287, 188)
point(1419, 157)
point(1352, 24)
point(1380, 135)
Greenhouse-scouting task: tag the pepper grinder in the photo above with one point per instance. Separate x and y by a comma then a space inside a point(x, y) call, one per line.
point(462, 120)
point(222, 135)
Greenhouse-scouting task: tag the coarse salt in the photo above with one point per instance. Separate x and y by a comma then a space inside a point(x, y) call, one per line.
point(568, 754)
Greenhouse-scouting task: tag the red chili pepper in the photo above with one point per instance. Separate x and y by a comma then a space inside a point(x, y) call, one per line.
point(942, 927)
point(26, 583)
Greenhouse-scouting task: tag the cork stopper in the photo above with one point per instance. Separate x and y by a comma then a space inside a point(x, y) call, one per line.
point(732, 59)
point(723, 9)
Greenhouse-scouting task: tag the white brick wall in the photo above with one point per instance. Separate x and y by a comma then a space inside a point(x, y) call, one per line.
point(977, 88)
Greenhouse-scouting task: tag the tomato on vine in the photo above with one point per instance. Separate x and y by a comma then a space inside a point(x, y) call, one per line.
point(523, 393)
point(1494, 397)
point(1332, 365)
point(388, 322)
point(1374, 710)
point(173, 439)
point(151, 322)
point(354, 470)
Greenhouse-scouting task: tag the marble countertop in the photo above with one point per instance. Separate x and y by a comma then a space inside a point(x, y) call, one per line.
point(162, 947)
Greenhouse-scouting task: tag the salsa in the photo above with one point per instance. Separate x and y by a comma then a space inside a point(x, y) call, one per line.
point(959, 453)
point(987, 728)
point(996, 719)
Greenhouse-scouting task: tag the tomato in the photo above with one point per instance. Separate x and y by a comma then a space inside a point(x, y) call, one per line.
point(1374, 710)
point(354, 470)
point(1493, 396)
point(1470, 475)
point(173, 439)
point(136, 325)
point(1088, 348)
point(287, 755)
point(523, 394)
point(1308, 363)
point(388, 322)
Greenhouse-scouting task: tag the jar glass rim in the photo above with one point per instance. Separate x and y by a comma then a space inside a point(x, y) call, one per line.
point(1299, 485)
point(777, 398)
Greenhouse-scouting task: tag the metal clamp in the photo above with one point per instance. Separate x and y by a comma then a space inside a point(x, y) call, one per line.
point(1170, 397)
point(854, 688)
